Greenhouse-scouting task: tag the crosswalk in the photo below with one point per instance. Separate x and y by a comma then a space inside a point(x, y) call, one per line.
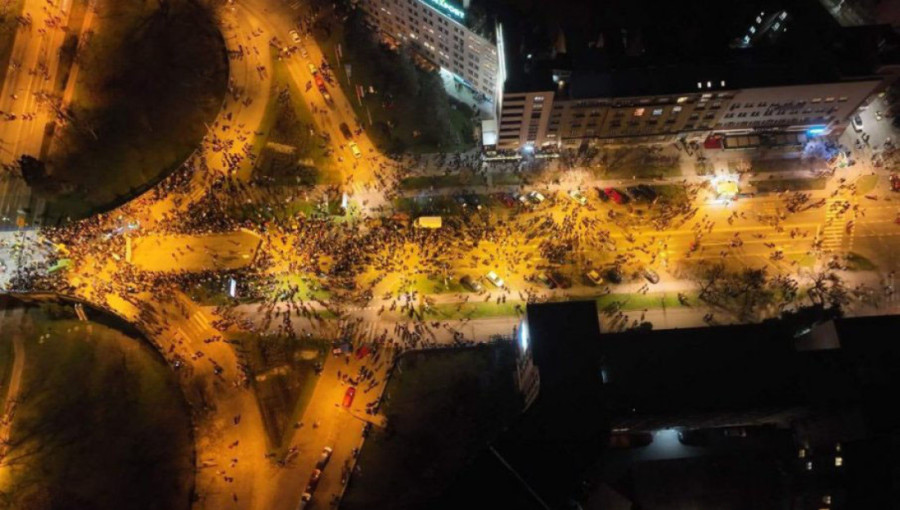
point(836, 236)
point(358, 332)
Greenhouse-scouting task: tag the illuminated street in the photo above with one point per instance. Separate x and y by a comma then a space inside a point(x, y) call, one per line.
point(206, 282)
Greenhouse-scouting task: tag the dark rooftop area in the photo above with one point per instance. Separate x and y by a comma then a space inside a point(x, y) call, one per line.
point(635, 47)
point(844, 394)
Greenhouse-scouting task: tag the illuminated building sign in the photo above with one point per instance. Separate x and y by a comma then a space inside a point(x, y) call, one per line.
point(446, 8)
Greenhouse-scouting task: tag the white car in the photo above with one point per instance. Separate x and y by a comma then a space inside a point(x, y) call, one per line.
point(294, 36)
point(355, 150)
point(857, 123)
point(496, 280)
point(577, 196)
point(312, 69)
point(536, 197)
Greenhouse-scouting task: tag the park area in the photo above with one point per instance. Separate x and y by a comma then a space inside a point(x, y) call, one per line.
point(149, 78)
point(442, 409)
point(99, 423)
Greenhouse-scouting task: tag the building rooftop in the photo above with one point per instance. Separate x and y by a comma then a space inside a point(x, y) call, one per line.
point(845, 389)
point(641, 47)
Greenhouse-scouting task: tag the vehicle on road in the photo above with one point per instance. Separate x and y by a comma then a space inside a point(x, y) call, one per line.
point(303, 52)
point(543, 278)
point(471, 283)
point(616, 197)
point(313, 70)
point(650, 275)
point(494, 279)
point(614, 275)
point(313, 481)
point(648, 192)
point(294, 36)
point(560, 280)
point(324, 458)
point(506, 199)
point(629, 439)
point(345, 130)
point(355, 150)
point(348, 397)
point(857, 123)
point(594, 277)
point(304, 500)
point(576, 196)
point(536, 197)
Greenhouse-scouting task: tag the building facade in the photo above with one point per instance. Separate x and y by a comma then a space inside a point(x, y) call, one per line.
point(436, 30)
point(545, 120)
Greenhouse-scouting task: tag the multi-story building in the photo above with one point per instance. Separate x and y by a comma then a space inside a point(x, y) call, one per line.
point(437, 30)
point(570, 86)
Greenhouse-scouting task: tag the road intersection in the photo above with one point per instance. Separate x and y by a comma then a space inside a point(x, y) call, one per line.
point(236, 465)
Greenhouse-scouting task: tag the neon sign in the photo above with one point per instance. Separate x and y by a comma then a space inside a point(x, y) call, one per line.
point(454, 11)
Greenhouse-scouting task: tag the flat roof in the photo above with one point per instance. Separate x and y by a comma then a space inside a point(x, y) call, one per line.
point(622, 48)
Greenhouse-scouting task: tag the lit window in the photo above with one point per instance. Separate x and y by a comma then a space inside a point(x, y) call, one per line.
point(657, 112)
point(682, 99)
point(699, 85)
point(817, 100)
point(782, 15)
point(838, 461)
point(809, 466)
point(538, 99)
point(676, 109)
point(759, 19)
point(722, 83)
point(638, 112)
point(752, 30)
point(829, 99)
point(709, 84)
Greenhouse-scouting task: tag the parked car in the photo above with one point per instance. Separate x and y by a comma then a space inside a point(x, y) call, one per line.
point(857, 123)
point(602, 195)
point(560, 280)
point(614, 275)
point(577, 196)
point(650, 275)
point(313, 70)
point(543, 278)
point(471, 284)
point(536, 197)
point(325, 457)
point(348, 396)
point(493, 278)
point(506, 199)
point(313, 481)
point(594, 277)
point(294, 36)
point(345, 130)
point(629, 439)
point(616, 197)
point(355, 150)
point(648, 192)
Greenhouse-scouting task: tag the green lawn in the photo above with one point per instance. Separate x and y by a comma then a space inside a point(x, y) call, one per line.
point(444, 407)
point(856, 262)
point(774, 185)
point(284, 377)
point(640, 162)
point(98, 410)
